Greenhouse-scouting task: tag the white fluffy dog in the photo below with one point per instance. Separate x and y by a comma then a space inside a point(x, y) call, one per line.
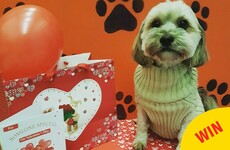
point(169, 47)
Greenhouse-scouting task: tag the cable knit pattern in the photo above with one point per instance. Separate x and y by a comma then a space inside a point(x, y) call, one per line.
point(169, 97)
point(164, 85)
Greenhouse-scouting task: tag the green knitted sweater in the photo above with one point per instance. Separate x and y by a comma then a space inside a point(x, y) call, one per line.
point(164, 85)
point(168, 96)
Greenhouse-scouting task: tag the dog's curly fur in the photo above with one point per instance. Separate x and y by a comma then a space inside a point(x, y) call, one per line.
point(170, 40)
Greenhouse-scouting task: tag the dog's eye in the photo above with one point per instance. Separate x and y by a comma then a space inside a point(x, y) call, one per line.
point(156, 23)
point(183, 24)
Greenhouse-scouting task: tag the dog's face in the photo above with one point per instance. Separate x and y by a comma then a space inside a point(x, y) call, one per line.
point(169, 35)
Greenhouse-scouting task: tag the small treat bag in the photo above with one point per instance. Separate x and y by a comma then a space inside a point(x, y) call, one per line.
point(83, 88)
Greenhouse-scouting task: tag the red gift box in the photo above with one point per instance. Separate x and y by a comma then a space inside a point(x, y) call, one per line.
point(83, 88)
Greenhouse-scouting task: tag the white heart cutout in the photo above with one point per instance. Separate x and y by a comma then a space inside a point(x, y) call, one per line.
point(85, 98)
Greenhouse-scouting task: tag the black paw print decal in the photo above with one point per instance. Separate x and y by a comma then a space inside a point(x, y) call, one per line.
point(127, 100)
point(221, 90)
point(9, 8)
point(120, 17)
point(204, 13)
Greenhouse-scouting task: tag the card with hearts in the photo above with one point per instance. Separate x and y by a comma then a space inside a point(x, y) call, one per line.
point(31, 129)
point(83, 88)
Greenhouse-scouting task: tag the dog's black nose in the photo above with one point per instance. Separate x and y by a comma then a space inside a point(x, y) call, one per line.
point(166, 40)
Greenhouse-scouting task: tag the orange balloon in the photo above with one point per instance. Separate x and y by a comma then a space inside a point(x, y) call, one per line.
point(30, 42)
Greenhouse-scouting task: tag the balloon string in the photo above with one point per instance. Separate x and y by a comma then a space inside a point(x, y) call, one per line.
point(3, 102)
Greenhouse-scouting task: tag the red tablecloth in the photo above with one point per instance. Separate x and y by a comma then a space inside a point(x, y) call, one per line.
point(126, 134)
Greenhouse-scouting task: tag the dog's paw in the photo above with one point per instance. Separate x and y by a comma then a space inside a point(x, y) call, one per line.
point(120, 18)
point(140, 141)
point(139, 144)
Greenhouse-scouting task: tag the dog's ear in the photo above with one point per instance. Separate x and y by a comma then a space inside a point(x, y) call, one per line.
point(137, 52)
point(200, 56)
